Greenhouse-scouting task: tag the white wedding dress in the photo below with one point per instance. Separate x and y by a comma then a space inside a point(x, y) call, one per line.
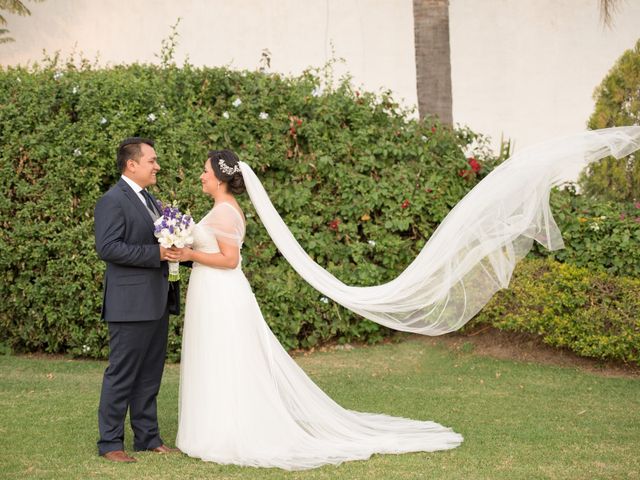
point(244, 401)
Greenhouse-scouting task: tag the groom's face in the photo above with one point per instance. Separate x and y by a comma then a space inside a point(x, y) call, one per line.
point(144, 171)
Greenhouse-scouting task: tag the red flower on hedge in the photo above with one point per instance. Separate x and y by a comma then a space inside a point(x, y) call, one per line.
point(637, 204)
point(475, 165)
point(333, 224)
point(405, 204)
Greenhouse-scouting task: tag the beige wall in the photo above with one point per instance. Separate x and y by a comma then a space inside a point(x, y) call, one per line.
point(375, 37)
point(528, 68)
point(522, 68)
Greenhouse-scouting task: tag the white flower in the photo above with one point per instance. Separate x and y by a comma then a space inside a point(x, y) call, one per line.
point(603, 217)
point(423, 138)
point(74, 90)
point(86, 348)
point(316, 92)
point(57, 75)
point(372, 243)
point(77, 152)
point(18, 79)
point(103, 121)
point(225, 115)
point(263, 115)
point(151, 117)
point(595, 227)
point(324, 299)
point(237, 102)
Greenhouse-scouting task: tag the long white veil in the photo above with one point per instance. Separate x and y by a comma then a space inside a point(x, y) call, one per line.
point(473, 252)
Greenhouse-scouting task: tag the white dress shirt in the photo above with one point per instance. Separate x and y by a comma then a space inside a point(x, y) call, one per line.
point(136, 188)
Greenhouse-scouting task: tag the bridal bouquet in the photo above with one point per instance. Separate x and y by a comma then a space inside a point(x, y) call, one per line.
point(174, 228)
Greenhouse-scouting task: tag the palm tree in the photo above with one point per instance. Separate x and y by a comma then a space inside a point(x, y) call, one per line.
point(16, 7)
point(433, 54)
point(433, 58)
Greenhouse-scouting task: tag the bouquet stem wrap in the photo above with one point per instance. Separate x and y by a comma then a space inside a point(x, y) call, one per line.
point(174, 271)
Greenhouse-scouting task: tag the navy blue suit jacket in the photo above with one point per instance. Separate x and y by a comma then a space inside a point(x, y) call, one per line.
point(136, 286)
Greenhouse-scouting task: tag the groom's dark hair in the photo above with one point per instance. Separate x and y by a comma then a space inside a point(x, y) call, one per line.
point(129, 148)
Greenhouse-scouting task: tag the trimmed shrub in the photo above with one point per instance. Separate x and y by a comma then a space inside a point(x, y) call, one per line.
point(360, 183)
point(599, 235)
point(592, 313)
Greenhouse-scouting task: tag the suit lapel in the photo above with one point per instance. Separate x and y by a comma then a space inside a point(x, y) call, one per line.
point(137, 204)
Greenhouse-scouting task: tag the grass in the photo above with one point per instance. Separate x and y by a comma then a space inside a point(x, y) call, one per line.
point(519, 420)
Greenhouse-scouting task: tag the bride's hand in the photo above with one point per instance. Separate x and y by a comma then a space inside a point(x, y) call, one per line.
point(182, 254)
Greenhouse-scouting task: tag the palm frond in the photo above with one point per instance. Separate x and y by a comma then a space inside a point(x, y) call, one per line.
point(16, 7)
point(3, 37)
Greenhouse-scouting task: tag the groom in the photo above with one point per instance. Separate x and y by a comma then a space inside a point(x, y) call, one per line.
point(136, 305)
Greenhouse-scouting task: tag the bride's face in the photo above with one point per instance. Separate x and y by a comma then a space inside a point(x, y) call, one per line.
point(208, 179)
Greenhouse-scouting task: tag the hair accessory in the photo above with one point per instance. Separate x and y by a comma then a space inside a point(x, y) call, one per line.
point(226, 169)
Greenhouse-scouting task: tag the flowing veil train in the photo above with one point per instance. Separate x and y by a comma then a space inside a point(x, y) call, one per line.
point(473, 252)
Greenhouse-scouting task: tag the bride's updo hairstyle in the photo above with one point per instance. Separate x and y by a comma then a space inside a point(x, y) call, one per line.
point(226, 166)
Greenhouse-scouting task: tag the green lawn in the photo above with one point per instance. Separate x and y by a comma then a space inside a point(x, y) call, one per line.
point(519, 420)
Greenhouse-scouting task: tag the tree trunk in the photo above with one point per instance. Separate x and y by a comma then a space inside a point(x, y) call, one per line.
point(433, 58)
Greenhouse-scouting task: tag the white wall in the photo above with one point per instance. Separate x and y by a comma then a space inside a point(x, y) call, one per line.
point(528, 69)
point(375, 37)
point(523, 68)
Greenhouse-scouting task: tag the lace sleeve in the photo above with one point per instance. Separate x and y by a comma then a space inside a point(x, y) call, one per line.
point(226, 223)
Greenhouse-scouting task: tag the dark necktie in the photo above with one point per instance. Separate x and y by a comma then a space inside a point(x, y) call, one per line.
point(149, 201)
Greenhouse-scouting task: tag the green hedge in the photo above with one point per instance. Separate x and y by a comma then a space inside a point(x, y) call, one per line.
point(360, 183)
point(600, 235)
point(592, 313)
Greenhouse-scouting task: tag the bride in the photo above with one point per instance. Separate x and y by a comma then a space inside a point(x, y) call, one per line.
point(244, 401)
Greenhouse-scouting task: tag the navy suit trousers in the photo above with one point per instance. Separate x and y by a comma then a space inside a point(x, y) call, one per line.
point(132, 382)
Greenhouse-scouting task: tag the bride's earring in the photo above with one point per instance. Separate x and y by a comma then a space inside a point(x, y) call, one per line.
point(218, 186)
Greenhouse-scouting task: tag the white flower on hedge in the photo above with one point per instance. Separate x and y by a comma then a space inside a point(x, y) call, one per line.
point(77, 152)
point(595, 227)
point(316, 92)
point(57, 75)
point(225, 115)
point(18, 79)
point(603, 217)
point(86, 348)
point(324, 299)
point(424, 138)
point(151, 117)
point(372, 243)
point(237, 102)
point(263, 115)
point(103, 121)
point(74, 90)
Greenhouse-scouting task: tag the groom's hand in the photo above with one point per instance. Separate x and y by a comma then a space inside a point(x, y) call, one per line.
point(168, 255)
point(182, 254)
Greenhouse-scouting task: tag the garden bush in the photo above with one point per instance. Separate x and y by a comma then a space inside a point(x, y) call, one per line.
point(592, 313)
point(598, 234)
point(360, 183)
